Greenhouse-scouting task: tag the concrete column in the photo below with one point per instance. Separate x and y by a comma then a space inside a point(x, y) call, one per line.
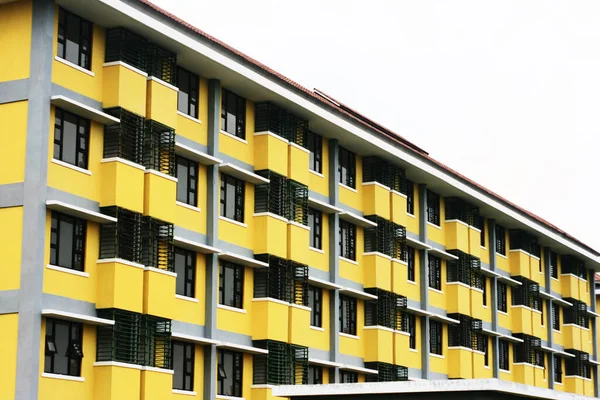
point(548, 284)
point(424, 273)
point(594, 326)
point(494, 298)
point(334, 253)
point(34, 197)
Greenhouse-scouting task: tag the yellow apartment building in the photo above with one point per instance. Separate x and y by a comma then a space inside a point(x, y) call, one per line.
point(179, 221)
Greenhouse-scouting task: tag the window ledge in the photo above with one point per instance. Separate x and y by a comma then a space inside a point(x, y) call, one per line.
point(186, 298)
point(436, 355)
point(317, 250)
point(501, 255)
point(411, 282)
point(75, 66)
point(555, 331)
point(317, 328)
point(554, 279)
point(503, 312)
point(63, 377)
point(220, 396)
point(434, 225)
point(506, 371)
point(349, 336)
point(71, 166)
point(116, 364)
point(161, 82)
point(68, 271)
point(436, 290)
point(233, 137)
point(161, 174)
point(185, 392)
point(184, 115)
point(234, 309)
point(348, 260)
point(125, 65)
point(188, 206)
point(320, 175)
point(413, 350)
point(233, 221)
point(411, 215)
point(347, 187)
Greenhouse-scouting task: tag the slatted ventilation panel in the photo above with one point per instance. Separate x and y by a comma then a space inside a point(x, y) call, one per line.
point(157, 244)
point(578, 365)
point(284, 280)
point(155, 341)
point(529, 351)
point(377, 170)
point(121, 239)
point(296, 129)
point(388, 310)
point(159, 148)
point(521, 240)
point(577, 314)
point(126, 139)
point(379, 238)
point(527, 294)
point(386, 372)
point(467, 269)
point(297, 202)
point(124, 45)
point(299, 283)
point(276, 120)
point(121, 341)
point(285, 364)
point(460, 335)
point(271, 197)
point(573, 265)
point(161, 63)
point(457, 208)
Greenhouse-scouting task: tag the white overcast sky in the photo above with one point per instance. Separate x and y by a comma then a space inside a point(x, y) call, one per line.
point(506, 92)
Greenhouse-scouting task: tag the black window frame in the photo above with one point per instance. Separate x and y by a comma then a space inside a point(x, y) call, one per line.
point(500, 239)
point(484, 288)
point(411, 325)
point(315, 146)
point(191, 180)
point(315, 302)
point(556, 317)
point(481, 223)
point(347, 162)
point(410, 197)
point(191, 88)
point(553, 265)
point(237, 369)
point(79, 240)
point(347, 240)
point(410, 263)
point(348, 326)
point(189, 272)
point(73, 353)
point(434, 208)
point(63, 17)
point(82, 138)
point(435, 337)
point(239, 199)
point(315, 223)
point(434, 272)
point(315, 375)
point(502, 297)
point(558, 370)
point(503, 355)
point(486, 351)
point(238, 285)
point(240, 113)
point(188, 365)
point(348, 376)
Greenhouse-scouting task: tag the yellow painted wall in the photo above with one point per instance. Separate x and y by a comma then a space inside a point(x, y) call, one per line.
point(194, 220)
point(319, 338)
point(234, 233)
point(319, 183)
point(243, 150)
point(188, 311)
point(15, 40)
point(354, 346)
point(352, 271)
point(349, 196)
point(437, 297)
point(11, 236)
point(239, 322)
point(8, 349)
point(196, 130)
point(13, 135)
point(438, 363)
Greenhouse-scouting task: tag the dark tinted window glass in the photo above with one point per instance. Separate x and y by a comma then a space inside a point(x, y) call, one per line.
point(71, 138)
point(231, 285)
point(67, 241)
point(232, 198)
point(187, 181)
point(74, 39)
point(315, 224)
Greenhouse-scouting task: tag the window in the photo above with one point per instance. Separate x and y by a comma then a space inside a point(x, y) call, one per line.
point(348, 377)
point(484, 287)
point(187, 181)
point(229, 373)
point(233, 114)
point(502, 306)
point(183, 366)
point(315, 146)
point(232, 198)
point(410, 197)
point(412, 330)
point(553, 265)
point(503, 355)
point(486, 350)
point(435, 272)
point(481, 223)
point(185, 268)
point(347, 315)
point(500, 240)
point(74, 39)
point(71, 138)
point(435, 337)
point(231, 285)
point(67, 241)
point(64, 349)
point(315, 375)
point(433, 208)
point(347, 240)
point(315, 224)
point(410, 261)
point(347, 168)
point(555, 317)
point(558, 369)
point(315, 302)
point(187, 97)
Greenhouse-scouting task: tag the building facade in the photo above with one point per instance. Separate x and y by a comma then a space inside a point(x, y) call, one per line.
point(179, 220)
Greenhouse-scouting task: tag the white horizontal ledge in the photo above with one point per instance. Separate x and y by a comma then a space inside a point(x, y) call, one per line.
point(325, 363)
point(195, 155)
point(242, 348)
point(322, 283)
point(69, 316)
point(242, 174)
point(194, 339)
point(417, 244)
point(418, 311)
point(549, 296)
point(242, 260)
point(83, 110)
point(361, 370)
point(442, 254)
point(357, 219)
point(194, 246)
point(323, 206)
point(511, 338)
point(489, 272)
point(79, 212)
point(508, 281)
point(490, 332)
point(359, 294)
point(443, 318)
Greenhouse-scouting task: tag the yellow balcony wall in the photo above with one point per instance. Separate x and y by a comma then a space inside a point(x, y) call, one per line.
point(120, 285)
point(380, 344)
point(378, 271)
point(502, 263)
point(584, 289)
point(15, 42)
point(457, 235)
point(351, 345)
point(557, 337)
point(570, 286)
point(401, 284)
point(538, 329)
point(8, 348)
point(264, 393)
point(159, 195)
point(571, 334)
point(521, 317)
point(474, 241)
point(299, 325)
point(124, 86)
point(270, 234)
point(298, 158)
point(116, 382)
point(461, 361)
point(574, 384)
point(161, 102)
point(524, 373)
point(402, 352)
point(519, 263)
point(477, 309)
point(319, 258)
point(159, 286)
point(398, 208)
point(298, 237)
point(536, 274)
point(458, 298)
point(14, 136)
point(376, 199)
point(270, 319)
point(270, 152)
point(318, 337)
point(480, 371)
point(11, 236)
point(156, 384)
point(588, 388)
point(586, 340)
point(192, 128)
point(436, 233)
point(539, 375)
point(191, 218)
point(351, 270)
point(122, 183)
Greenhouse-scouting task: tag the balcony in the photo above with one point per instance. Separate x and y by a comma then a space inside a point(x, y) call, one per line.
point(460, 360)
point(271, 234)
point(156, 384)
point(378, 271)
point(398, 208)
point(474, 241)
point(271, 319)
point(298, 158)
point(380, 345)
point(519, 263)
point(299, 329)
point(480, 371)
point(573, 286)
point(116, 382)
point(571, 335)
point(270, 152)
point(298, 239)
point(402, 353)
point(161, 102)
point(376, 200)
point(521, 317)
point(477, 309)
point(457, 235)
point(458, 298)
point(524, 373)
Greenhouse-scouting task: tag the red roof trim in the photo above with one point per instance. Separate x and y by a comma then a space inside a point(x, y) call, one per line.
point(325, 99)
